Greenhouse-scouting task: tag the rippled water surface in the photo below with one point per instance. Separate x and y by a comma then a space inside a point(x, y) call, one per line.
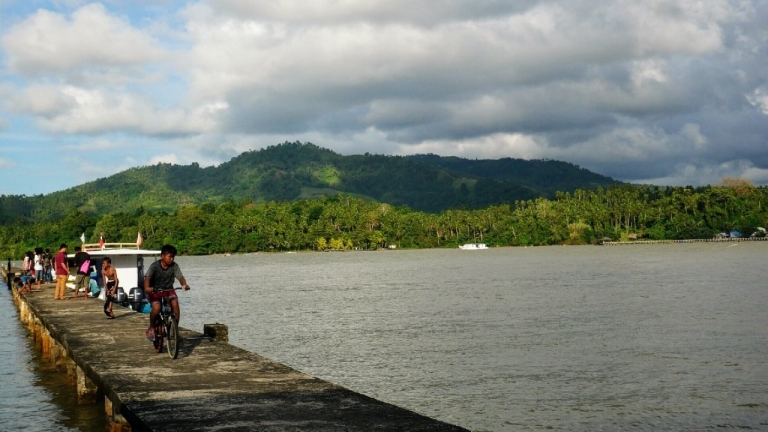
point(33, 395)
point(643, 337)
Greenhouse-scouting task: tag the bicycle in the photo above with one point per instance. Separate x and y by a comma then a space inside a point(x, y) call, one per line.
point(166, 327)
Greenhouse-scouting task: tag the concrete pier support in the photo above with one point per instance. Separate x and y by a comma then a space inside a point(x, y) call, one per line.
point(59, 357)
point(115, 421)
point(86, 389)
point(71, 371)
point(47, 343)
point(37, 328)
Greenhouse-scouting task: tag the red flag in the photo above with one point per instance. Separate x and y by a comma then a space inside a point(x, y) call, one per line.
point(139, 240)
point(101, 241)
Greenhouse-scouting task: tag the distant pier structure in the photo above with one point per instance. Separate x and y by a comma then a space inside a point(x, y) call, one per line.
point(710, 240)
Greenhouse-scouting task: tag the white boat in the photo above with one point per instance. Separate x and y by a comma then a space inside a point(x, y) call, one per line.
point(473, 246)
point(129, 261)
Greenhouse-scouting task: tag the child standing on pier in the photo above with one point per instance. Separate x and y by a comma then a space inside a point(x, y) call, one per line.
point(111, 282)
point(47, 266)
point(38, 266)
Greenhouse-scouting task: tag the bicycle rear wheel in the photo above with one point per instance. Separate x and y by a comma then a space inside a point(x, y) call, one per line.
point(172, 339)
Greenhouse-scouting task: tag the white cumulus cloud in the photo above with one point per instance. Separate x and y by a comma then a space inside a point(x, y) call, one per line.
point(49, 42)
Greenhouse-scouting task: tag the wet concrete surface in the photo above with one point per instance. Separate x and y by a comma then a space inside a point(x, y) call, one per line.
point(212, 385)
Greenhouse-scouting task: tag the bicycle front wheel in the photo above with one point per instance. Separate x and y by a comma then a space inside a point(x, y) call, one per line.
point(172, 337)
point(158, 337)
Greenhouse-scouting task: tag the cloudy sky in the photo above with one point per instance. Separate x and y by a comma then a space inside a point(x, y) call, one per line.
point(669, 92)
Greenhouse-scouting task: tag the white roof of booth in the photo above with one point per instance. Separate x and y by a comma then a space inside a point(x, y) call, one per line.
point(114, 249)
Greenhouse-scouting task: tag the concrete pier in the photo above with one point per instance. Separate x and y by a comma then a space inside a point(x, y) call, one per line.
point(211, 386)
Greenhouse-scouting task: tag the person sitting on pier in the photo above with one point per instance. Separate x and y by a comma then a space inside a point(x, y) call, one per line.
point(18, 284)
point(158, 283)
point(24, 283)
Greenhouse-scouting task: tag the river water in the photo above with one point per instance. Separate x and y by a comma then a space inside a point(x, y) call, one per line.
point(33, 395)
point(643, 337)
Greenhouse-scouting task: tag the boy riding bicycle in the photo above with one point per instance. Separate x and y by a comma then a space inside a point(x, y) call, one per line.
point(158, 283)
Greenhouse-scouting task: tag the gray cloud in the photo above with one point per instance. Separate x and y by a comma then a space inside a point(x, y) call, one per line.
point(419, 12)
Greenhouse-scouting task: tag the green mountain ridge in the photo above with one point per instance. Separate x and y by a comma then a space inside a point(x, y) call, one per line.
point(292, 171)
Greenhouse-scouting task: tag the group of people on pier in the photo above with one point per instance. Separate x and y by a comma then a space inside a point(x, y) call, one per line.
point(41, 267)
point(35, 269)
point(83, 283)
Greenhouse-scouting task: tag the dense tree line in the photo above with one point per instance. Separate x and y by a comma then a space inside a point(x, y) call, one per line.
point(343, 222)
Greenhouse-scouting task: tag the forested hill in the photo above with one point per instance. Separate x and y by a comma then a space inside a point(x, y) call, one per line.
point(545, 176)
point(292, 171)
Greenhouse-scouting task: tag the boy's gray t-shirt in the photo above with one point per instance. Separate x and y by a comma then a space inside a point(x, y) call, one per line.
point(160, 278)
